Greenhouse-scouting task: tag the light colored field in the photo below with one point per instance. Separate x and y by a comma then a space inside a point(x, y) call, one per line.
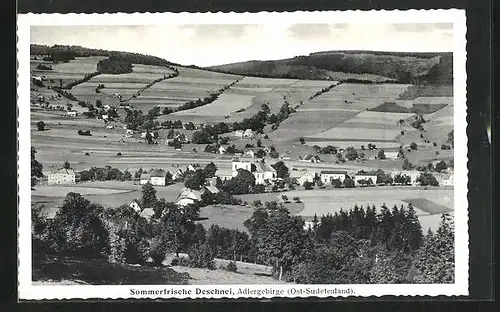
point(62, 191)
point(224, 105)
point(302, 124)
point(357, 144)
point(355, 134)
point(322, 202)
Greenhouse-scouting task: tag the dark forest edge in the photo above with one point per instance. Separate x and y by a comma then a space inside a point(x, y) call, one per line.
point(398, 67)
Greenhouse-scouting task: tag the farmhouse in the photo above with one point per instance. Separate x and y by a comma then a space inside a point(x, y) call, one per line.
point(144, 179)
point(446, 179)
point(49, 213)
point(224, 174)
point(264, 173)
point(104, 117)
point(303, 176)
point(413, 174)
point(178, 174)
point(130, 131)
point(211, 189)
point(250, 153)
point(158, 177)
point(136, 205)
point(365, 178)
point(71, 113)
point(188, 197)
point(238, 133)
point(110, 127)
point(311, 158)
point(222, 150)
point(391, 155)
point(248, 133)
point(328, 175)
point(63, 176)
point(147, 213)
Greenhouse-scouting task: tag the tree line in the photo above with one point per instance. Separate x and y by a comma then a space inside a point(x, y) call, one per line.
point(355, 246)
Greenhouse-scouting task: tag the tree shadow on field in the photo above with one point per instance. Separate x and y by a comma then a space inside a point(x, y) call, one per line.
point(102, 272)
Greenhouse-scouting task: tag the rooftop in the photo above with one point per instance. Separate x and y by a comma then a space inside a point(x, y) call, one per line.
point(333, 172)
point(158, 173)
point(65, 171)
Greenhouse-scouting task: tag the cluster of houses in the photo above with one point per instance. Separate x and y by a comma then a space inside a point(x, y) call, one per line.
point(327, 176)
point(262, 171)
point(247, 134)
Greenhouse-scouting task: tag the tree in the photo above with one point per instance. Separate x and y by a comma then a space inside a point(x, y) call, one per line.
point(302, 141)
point(36, 168)
point(280, 239)
point(148, 195)
point(381, 154)
point(308, 185)
point(127, 176)
point(210, 170)
point(260, 153)
point(351, 154)
point(440, 166)
point(259, 143)
point(281, 170)
point(98, 103)
point(407, 165)
point(201, 137)
point(426, 178)
point(413, 145)
point(348, 182)
point(66, 165)
point(78, 229)
point(195, 180)
point(40, 125)
point(242, 183)
point(435, 261)
point(337, 183)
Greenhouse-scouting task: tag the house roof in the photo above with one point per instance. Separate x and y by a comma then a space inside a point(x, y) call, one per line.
point(261, 166)
point(147, 212)
point(65, 171)
point(298, 174)
point(223, 172)
point(158, 173)
point(310, 156)
point(49, 212)
point(333, 172)
point(145, 176)
point(189, 193)
point(136, 201)
point(212, 189)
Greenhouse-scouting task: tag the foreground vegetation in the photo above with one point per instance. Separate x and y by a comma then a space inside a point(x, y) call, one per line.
point(356, 246)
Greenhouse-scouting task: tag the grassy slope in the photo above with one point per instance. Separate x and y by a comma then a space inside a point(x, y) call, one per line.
point(405, 67)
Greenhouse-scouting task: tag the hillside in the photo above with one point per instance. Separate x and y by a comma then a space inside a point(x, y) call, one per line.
point(66, 52)
point(415, 68)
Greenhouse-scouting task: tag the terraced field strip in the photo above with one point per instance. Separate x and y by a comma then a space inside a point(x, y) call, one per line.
point(190, 84)
point(127, 85)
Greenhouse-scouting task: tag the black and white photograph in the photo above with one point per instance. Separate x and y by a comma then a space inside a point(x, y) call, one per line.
point(243, 155)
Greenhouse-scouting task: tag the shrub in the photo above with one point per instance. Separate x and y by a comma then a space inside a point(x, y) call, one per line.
point(40, 125)
point(119, 154)
point(413, 146)
point(231, 266)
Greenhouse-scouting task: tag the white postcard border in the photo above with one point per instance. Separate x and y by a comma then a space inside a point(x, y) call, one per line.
point(35, 292)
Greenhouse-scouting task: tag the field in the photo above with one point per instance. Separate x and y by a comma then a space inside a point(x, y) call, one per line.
point(190, 84)
point(127, 85)
point(333, 108)
point(245, 98)
point(67, 72)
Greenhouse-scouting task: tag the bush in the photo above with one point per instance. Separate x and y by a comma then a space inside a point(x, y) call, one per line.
point(231, 266)
point(413, 146)
point(119, 154)
point(40, 125)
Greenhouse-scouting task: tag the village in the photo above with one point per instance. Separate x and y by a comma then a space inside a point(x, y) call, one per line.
point(182, 169)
